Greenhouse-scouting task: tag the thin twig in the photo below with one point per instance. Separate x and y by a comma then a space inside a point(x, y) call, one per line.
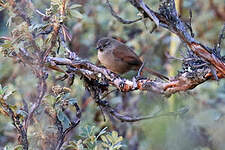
point(125, 118)
point(218, 44)
point(119, 18)
point(71, 127)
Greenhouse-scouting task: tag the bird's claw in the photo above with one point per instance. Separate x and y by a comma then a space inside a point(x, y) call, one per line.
point(135, 81)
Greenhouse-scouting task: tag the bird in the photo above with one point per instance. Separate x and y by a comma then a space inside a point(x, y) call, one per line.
point(119, 58)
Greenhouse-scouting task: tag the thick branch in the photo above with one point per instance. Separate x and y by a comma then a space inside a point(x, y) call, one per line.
point(183, 82)
point(168, 19)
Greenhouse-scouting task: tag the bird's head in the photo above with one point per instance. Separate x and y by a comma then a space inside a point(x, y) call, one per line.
point(104, 44)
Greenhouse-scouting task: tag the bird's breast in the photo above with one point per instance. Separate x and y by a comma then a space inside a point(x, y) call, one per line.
point(113, 63)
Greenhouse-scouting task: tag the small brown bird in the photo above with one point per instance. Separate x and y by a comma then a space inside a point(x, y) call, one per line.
point(119, 58)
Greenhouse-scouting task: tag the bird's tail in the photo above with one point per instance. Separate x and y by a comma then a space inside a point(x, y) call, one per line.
point(161, 76)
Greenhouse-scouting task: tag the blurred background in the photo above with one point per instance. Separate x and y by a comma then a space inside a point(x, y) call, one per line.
point(200, 128)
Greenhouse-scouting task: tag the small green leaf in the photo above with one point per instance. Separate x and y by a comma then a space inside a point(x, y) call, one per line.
point(13, 107)
point(76, 14)
point(103, 131)
point(64, 119)
point(72, 101)
point(114, 134)
point(92, 130)
point(92, 138)
point(120, 139)
point(21, 112)
point(1, 90)
point(105, 145)
point(9, 21)
point(55, 2)
point(109, 137)
point(66, 96)
point(19, 147)
point(9, 93)
point(7, 44)
point(5, 89)
point(104, 139)
point(117, 146)
point(74, 6)
point(1, 8)
point(73, 143)
point(68, 147)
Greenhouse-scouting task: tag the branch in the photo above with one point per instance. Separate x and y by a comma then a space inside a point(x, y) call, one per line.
point(42, 88)
point(169, 19)
point(118, 17)
point(16, 122)
point(95, 92)
point(183, 82)
point(218, 44)
point(66, 131)
point(125, 118)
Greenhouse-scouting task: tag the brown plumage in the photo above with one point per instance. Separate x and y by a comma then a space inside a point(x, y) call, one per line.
point(119, 58)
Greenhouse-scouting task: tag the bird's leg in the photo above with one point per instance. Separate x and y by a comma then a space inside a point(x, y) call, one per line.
point(140, 72)
point(139, 76)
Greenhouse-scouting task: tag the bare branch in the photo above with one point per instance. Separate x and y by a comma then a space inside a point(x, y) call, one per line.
point(42, 86)
point(125, 118)
point(16, 122)
point(66, 131)
point(169, 19)
point(218, 44)
point(118, 17)
point(183, 82)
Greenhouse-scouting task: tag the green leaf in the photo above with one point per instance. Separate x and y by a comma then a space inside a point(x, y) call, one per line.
point(55, 2)
point(66, 96)
point(22, 113)
point(109, 137)
point(105, 145)
point(92, 130)
point(1, 8)
point(114, 134)
point(13, 107)
point(76, 14)
point(5, 89)
point(7, 44)
point(72, 143)
point(19, 147)
point(72, 101)
point(68, 147)
point(104, 139)
point(117, 146)
point(88, 131)
point(103, 131)
point(9, 22)
point(9, 93)
point(1, 90)
point(119, 139)
point(74, 6)
point(64, 119)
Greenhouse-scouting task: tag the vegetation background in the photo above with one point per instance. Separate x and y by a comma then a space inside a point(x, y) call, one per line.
point(200, 128)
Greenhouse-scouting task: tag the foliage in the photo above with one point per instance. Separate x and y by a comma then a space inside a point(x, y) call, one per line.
point(22, 80)
point(90, 141)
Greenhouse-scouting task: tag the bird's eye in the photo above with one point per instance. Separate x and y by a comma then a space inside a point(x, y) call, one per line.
point(107, 44)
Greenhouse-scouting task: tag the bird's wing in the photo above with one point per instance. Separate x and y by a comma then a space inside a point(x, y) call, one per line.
point(125, 54)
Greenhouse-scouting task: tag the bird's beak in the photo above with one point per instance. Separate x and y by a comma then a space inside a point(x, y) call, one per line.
point(98, 47)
